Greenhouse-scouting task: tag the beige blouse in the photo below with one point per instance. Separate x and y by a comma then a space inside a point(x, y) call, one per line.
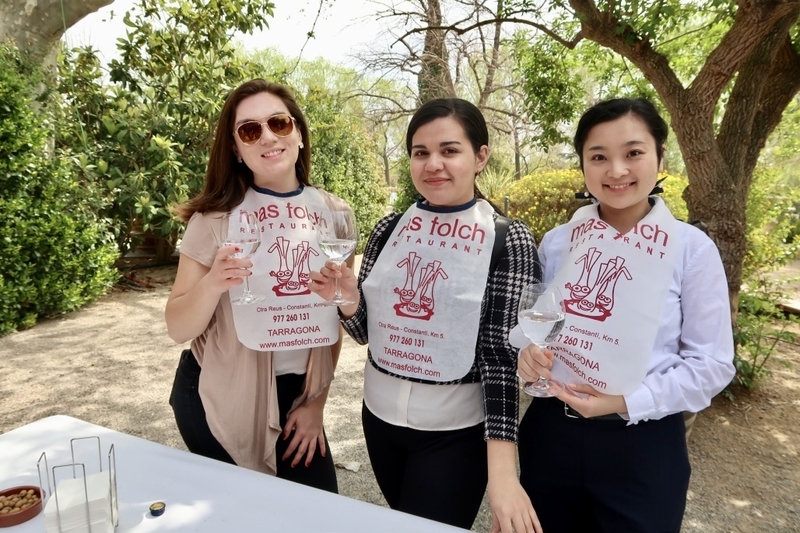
point(237, 384)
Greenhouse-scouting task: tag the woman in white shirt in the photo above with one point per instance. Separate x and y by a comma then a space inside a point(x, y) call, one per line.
point(647, 336)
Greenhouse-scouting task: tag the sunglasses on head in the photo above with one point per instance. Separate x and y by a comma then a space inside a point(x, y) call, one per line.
point(250, 132)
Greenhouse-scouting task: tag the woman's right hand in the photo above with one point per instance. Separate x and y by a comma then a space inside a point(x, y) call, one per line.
point(197, 290)
point(534, 362)
point(227, 271)
point(323, 282)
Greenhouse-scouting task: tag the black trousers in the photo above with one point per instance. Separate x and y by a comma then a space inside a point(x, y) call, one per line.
point(439, 475)
point(191, 420)
point(588, 476)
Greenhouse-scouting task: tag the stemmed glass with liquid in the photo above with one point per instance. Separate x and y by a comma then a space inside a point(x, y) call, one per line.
point(240, 228)
point(337, 235)
point(541, 317)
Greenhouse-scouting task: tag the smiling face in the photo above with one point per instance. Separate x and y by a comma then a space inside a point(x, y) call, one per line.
point(444, 164)
point(272, 159)
point(621, 166)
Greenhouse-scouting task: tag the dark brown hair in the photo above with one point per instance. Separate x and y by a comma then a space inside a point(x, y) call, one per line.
point(466, 114)
point(227, 180)
point(609, 110)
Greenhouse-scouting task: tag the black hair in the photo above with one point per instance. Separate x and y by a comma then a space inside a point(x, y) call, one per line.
point(465, 113)
point(609, 110)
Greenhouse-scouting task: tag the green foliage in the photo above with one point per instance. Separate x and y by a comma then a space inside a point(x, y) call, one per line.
point(760, 326)
point(495, 181)
point(546, 199)
point(771, 219)
point(673, 186)
point(145, 137)
point(55, 254)
point(342, 159)
point(554, 94)
point(406, 192)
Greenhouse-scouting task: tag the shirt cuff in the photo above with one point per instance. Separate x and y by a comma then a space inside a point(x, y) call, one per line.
point(640, 404)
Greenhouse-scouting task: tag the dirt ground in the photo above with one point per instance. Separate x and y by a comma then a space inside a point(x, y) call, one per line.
point(112, 364)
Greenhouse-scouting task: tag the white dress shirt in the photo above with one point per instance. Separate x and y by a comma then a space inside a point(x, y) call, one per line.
point(692, 358)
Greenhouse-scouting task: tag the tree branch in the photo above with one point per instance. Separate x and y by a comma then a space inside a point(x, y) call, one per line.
point(751, 27)
point(774, 85)
point(455, 29)
point(600, 27)
point(37, 25)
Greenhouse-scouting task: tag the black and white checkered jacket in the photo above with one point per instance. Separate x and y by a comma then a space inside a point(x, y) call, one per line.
point(495, 365)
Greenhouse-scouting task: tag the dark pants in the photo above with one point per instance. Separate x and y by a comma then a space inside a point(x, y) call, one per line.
point(191, 420)
point(439, 475)
point(603, 476)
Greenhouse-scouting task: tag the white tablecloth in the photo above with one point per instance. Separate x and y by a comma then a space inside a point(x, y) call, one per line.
point(202, 495)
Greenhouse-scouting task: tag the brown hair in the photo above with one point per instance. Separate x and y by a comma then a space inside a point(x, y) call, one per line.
point(466, 114)
point(227, 180)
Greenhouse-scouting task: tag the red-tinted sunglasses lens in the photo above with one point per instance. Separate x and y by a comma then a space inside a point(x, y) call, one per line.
point(280, 125)
point(250, 132)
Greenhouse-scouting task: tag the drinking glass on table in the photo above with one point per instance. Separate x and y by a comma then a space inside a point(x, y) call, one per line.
point(240, 229)
point(541, 317)
point(337, 235)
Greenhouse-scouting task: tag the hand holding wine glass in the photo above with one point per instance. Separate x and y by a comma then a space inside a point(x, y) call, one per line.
point(541, 317)
point(240, 229)
point(337, 236)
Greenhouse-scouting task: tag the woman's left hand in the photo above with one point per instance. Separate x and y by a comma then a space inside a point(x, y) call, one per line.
point(304, 425)
point(512, 511)
point(595, 403)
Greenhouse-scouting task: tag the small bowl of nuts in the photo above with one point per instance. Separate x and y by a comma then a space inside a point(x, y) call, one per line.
point(19, 504)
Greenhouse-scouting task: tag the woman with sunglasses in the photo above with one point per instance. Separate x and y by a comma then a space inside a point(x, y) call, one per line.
point(259, 406)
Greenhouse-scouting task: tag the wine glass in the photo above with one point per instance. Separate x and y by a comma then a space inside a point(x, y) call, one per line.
point(541, 317)
point(240, 229)
point(337, 235)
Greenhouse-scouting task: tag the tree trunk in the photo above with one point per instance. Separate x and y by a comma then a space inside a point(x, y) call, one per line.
point(492, 63)
point(37, 25)
point(387, 176)
point(434, 79)
point(757, 58)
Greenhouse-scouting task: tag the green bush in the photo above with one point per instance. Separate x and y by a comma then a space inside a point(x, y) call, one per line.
point(760, 326)
point(546, 199)
point(494, 182)
point(55, 254)
point(770, 224)
point(760, 323)
point(145, 128)
point(406, 192)
point(341, 158)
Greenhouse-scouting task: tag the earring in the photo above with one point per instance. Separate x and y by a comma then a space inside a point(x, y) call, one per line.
point(301, 145)
point(239, 159)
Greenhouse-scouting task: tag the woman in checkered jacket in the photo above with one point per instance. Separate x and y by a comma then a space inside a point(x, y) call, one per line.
point(435, 299)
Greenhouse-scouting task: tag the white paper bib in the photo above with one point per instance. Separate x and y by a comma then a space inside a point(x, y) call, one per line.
point(292, 316)
point(614, 288)
point(425, 290)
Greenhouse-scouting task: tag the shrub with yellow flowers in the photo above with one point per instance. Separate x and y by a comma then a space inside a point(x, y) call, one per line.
point(546, 198)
